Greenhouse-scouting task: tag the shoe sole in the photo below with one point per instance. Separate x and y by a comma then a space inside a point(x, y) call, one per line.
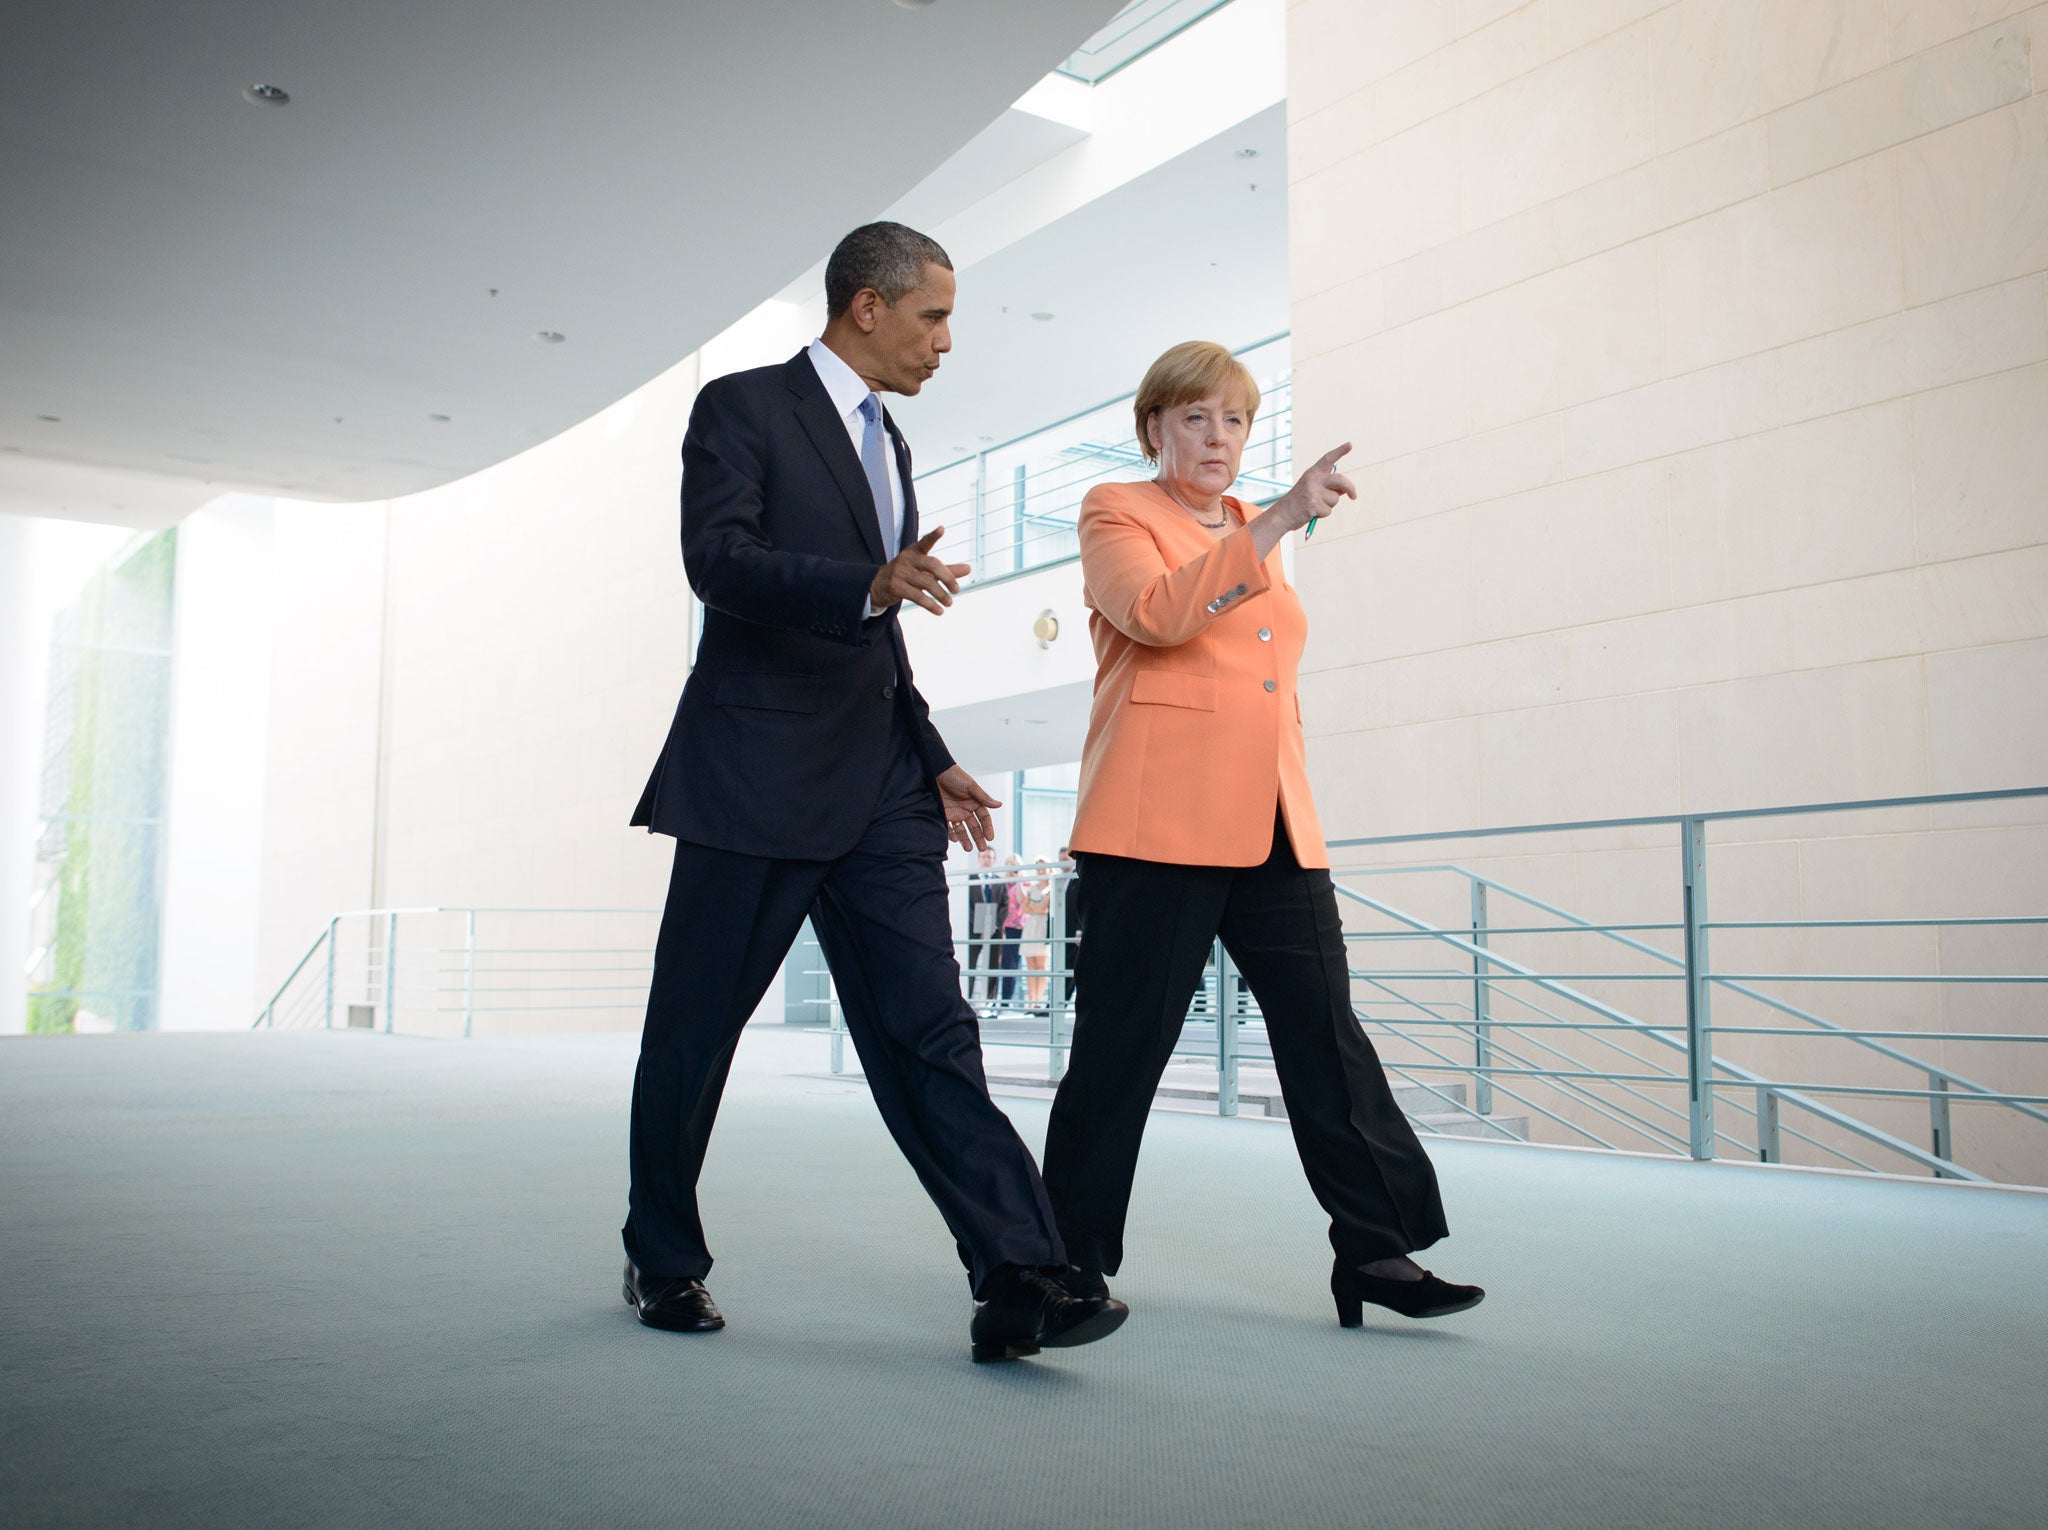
point(1002, 1349)
point(1088, 1330)
point(648, 1322)
point(1355, 1318)
point(1446, 1311)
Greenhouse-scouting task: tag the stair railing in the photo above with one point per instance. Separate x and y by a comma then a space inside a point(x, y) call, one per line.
point(1756, 1096)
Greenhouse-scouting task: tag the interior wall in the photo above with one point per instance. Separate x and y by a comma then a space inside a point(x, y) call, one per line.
point(319, 804)
point(220, 704)
point(1695, 354)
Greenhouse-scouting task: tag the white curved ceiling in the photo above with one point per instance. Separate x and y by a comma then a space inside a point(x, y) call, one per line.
point(199, 288)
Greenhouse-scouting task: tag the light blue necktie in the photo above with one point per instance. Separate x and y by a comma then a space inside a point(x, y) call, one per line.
point(874, 460)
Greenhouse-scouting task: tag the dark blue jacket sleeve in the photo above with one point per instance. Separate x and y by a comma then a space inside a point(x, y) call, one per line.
point(727, 554)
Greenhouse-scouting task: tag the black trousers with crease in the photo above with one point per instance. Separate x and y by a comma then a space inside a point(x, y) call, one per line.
point(1151, 927)
point(882, 917)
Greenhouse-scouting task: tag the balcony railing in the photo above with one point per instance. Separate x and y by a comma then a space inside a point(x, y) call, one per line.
point(1911, 1042)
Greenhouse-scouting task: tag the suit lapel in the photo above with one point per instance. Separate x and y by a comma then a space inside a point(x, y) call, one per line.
point(828, 434)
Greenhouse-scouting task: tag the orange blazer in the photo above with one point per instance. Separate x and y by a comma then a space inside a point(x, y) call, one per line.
point(1195, 732)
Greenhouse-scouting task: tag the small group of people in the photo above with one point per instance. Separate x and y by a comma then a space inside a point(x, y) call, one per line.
point(1010, 920)
point(802, 776)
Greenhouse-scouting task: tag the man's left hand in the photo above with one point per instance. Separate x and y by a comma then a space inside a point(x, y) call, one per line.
point(966, 807)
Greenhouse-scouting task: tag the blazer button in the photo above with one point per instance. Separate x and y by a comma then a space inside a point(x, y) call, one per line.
point(1271, 686)
point(1241, 589)
point(889, 691)
point(1265, 634)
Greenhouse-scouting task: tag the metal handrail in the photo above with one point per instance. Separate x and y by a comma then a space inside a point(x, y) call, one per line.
point(1672, 820)
point(1738, 982)
point(1737, 1073)
point(1658, 1083)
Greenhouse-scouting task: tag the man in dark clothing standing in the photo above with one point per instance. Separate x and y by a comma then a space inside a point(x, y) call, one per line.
point(987, 897)
point(802, 776)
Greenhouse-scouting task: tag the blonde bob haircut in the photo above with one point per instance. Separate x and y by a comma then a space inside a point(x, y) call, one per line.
point(1194, 369)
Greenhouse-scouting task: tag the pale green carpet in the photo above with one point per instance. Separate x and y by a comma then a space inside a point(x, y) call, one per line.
point(352, 1280)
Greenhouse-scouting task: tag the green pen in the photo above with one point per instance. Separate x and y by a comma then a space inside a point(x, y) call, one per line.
point(1311, 531)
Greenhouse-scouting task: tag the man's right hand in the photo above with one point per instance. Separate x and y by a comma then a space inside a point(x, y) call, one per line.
point(915, 575)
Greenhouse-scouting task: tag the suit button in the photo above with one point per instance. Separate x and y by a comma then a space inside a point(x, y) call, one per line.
point(1265, 634)
point(1240, 589)
point(889, 691)
point(1271, 686)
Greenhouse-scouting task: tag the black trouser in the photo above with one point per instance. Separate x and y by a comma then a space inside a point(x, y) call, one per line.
point(1150, 931)
point(882, 918)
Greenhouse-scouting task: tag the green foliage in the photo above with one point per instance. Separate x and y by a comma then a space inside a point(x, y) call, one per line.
point(50, 1014)
point(105, 946)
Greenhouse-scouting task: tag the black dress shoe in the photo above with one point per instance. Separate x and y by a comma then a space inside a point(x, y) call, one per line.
point(1084, 1283)
point(677, 1303)
point(1424, 1298)
point(1028, 1309)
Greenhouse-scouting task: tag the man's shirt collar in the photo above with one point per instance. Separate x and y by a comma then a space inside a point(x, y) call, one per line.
point(843, 385)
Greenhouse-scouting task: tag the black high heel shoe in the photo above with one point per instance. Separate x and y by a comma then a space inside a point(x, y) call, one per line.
point(1424, 1298)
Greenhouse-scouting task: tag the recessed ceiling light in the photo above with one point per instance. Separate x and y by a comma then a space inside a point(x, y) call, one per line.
point(551, 336)
point(1043, 318)
point(50, 419)
point(438, 419)
point(266, 95)
point(913, 5)
point(1247, 153)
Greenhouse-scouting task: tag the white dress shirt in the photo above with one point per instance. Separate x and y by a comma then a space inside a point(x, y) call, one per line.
point(844, 387)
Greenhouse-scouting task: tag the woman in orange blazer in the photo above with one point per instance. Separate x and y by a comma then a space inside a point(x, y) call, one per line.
point(1195, 822)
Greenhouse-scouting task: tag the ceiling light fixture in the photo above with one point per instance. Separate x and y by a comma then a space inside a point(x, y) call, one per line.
point(550, 336)
point(438, 419)
point(1043, 318)
point(50, 419)
point(266, 95)
point(1247, 153)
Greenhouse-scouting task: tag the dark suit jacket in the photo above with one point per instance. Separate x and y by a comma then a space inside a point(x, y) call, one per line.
point(781, 738)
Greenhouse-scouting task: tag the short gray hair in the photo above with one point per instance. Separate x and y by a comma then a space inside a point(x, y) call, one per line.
point(885, 256)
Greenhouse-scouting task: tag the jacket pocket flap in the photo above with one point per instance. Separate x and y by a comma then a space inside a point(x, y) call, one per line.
point(1172, 688)
point(773, 693)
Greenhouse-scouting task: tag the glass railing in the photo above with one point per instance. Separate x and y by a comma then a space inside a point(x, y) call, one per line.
point(1013, 508)
point(1132, 33)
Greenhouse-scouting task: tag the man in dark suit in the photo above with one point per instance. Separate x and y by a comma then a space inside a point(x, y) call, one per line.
point(987, 896)
point(802, 775)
